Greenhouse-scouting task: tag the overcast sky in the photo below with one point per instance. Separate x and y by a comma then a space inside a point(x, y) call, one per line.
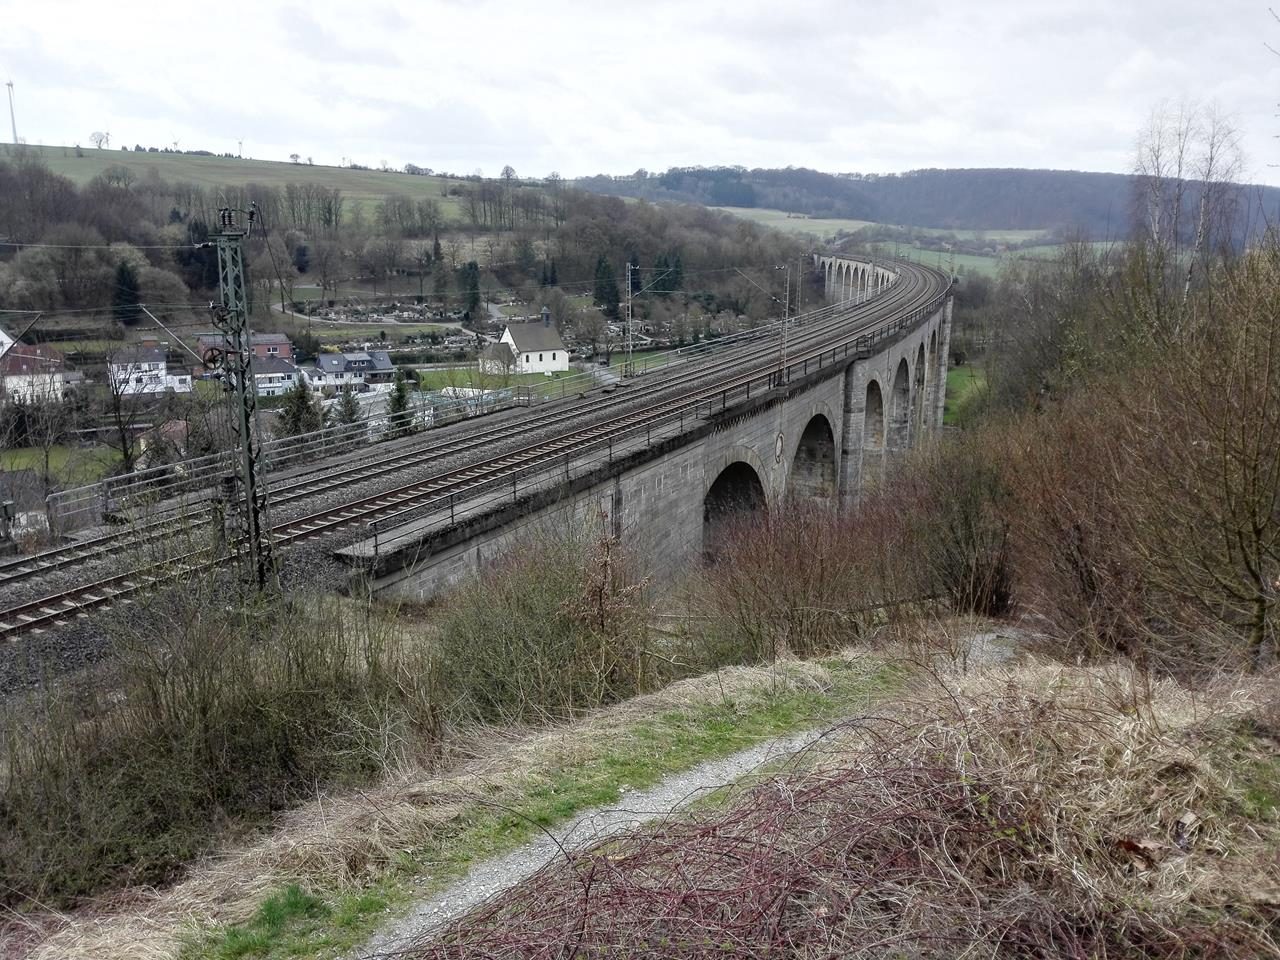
point(588, 87)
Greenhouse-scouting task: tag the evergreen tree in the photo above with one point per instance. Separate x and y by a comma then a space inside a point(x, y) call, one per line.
point(436, 253)
point(398, 414)
point(677, 273)
point(606, 289)
point(471, 284)
point(552, 280)
point(662, 275)
point(348, 411)
point(441, 287)
point(301, 412)
point(126, 295)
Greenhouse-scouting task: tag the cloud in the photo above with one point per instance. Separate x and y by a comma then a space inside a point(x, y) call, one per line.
point(585, 87)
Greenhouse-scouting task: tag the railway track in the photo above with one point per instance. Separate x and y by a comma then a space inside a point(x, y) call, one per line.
point(810, 326)
point(917, 288)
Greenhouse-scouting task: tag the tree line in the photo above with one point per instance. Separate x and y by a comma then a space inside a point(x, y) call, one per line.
point(1099, 205)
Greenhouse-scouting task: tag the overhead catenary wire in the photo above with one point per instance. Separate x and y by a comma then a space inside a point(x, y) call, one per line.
point(99, 246)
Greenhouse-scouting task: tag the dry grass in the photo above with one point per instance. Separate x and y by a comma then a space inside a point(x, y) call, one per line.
point(1038, 812)
point(350, 839)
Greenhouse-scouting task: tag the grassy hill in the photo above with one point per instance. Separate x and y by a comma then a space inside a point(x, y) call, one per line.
point(357, 185)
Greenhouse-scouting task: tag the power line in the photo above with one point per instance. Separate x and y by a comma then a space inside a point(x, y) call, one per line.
point(99, 246)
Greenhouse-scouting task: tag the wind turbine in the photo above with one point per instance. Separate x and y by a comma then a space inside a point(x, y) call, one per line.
point(175, 144)
point(12, 118)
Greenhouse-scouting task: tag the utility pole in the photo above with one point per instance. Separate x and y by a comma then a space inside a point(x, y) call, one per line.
point(786, 307)
point(799, 285)
point(628, 369)
point(231, 317)
point(13, 120)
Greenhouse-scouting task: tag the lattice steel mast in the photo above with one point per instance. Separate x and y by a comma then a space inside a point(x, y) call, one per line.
point(231, 317)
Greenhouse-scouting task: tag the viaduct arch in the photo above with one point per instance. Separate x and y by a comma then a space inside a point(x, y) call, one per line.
point(737, 491)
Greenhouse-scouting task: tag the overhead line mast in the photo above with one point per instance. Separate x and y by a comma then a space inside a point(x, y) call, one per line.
point(13, 120)
point(231, 316)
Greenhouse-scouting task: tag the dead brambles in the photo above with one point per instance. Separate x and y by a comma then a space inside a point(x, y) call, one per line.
point(1035, 815)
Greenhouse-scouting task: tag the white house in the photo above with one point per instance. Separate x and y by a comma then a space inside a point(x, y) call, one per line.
point(537, 346)
point(31, 373)
point(274, 376)
point(355, 370)
point(143, 369)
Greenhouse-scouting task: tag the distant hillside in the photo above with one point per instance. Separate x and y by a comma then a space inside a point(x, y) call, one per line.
point(207, 170)
point(1100, 204)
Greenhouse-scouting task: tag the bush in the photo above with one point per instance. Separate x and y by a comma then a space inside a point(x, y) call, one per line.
point(803, 580)
point(219, 719)
point(957, 523)
point(558, 626)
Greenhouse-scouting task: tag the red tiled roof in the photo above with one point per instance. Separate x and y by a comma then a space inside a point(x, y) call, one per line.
point(23, 359)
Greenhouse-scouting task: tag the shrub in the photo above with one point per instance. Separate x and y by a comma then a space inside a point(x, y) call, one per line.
point(803, 580)
point(219, 719)
point(957, 523)
point(557, 626)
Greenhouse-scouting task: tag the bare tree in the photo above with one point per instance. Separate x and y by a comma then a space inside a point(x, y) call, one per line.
point(1204, 448)
point(420, 253)
point(1187, 157)
point(326, 261)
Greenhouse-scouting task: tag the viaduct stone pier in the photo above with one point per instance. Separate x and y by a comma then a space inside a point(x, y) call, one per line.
point(825, 432)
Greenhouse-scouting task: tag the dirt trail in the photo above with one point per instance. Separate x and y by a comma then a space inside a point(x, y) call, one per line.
point(494, 876)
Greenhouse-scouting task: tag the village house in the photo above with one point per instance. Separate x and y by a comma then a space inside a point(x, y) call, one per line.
point(274, 376)
point(359, 369)
point(537, 346)
point(142, 369)
point(265, 346)
point(31, 373)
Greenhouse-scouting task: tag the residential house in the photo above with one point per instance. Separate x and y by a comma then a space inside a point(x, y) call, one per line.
point(265, 346)
point(359, 370)
point(537, 346)
point(274, 376)
point(31, 373)
point(142, 369)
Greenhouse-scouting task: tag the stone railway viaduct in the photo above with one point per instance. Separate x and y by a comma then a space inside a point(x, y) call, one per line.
point(825, 436)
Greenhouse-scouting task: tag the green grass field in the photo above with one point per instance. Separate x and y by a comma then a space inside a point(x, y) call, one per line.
point(1049, 250)
point(964, 383)
point(72, 466)
point(828, 228)
point(357, 185)
point(470, 376)
point(964, 262)
point(780, 220)
point(328, 332)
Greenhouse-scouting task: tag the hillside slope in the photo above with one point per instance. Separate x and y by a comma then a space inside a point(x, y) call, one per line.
point(1099, 204)
point(213, 171)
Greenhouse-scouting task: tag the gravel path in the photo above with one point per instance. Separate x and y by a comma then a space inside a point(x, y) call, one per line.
point(494, 876)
